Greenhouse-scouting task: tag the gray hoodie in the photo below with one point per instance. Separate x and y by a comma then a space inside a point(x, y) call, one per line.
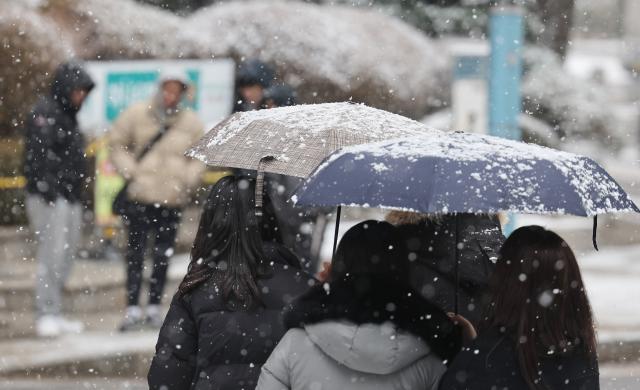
point(342, 355)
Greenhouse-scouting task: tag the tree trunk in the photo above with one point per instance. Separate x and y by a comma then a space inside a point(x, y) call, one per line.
point(557, 16)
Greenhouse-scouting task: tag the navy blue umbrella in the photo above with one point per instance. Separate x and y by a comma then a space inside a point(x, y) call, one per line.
point(464, 173)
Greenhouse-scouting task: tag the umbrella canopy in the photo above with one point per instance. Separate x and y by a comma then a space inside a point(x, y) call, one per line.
point(294, 140)
point(462, 172)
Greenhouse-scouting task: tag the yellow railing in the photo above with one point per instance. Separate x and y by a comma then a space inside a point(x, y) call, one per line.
point(12, 182)
point(18, 182)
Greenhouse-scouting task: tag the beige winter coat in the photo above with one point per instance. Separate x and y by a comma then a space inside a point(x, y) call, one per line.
point(164, 175)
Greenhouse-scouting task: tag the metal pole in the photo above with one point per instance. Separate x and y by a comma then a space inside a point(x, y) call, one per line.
point(456, 299)
point(506, 34)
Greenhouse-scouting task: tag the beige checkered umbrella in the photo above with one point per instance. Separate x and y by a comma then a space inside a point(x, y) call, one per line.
point(294, 140)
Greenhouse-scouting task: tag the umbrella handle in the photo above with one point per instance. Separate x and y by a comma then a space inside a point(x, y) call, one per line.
point(260, 184)
point(335, 234)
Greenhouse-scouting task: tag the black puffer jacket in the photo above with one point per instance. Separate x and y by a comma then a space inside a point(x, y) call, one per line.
point(491, 362)
point(54, 160)
point(432, 247)
point(204, 345)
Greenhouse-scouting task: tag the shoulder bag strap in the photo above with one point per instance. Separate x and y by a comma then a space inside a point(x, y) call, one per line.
point(163, 130)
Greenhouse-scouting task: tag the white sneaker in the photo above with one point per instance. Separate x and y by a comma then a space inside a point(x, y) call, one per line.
point(154, 317)
point(69, 326)
point(48, 326)
point(132, 319)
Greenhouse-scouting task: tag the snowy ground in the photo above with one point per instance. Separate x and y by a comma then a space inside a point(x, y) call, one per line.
point(73, 348)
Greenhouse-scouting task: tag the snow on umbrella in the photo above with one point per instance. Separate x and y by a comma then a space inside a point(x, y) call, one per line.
point(294, 140)
point(464, 173)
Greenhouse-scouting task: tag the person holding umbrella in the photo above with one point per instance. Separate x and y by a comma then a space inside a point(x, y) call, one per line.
point(463, 173)
point(293, 141)
point(299, 229)
point(538, 332)
point(226, 317)
point(365, 328)
point(430, 241)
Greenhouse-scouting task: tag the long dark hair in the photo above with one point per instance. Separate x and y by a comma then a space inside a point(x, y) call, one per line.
point(369, 283)
point(228, 243)
point(538, 298)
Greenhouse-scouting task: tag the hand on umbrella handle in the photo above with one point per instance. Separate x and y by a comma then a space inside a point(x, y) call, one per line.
point(469, 333)
point(323, 275)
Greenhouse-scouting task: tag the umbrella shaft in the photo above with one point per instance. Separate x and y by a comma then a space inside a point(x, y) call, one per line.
point(335, 235)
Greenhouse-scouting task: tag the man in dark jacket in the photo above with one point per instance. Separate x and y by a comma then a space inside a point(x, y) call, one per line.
point(54, 165)
point(433, 243)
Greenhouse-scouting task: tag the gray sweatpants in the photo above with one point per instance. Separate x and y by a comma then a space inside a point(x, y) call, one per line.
point(57, 229)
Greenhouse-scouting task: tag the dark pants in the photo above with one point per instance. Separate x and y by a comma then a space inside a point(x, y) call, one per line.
point(161, 223)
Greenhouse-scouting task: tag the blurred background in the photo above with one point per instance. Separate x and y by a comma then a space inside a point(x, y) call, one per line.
point(428, 60)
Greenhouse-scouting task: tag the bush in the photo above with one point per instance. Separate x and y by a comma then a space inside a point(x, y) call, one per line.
point(29, 52)
point(11, 194)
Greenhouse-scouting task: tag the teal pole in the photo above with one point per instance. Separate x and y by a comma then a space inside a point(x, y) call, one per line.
point(506, 34)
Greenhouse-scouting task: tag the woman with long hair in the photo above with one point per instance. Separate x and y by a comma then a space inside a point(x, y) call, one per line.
point(365, 328)
point(538, 331)
point(226, 317)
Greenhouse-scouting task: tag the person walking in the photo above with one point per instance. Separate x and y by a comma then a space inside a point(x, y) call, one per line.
point(538, 332)
point(147, 144)
point(365, 328)
point(56, 173)
point(226, 317)
point(432, 242)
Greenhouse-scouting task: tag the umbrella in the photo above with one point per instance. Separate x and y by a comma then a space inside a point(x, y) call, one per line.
point(294, 140)
point(464, 173)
